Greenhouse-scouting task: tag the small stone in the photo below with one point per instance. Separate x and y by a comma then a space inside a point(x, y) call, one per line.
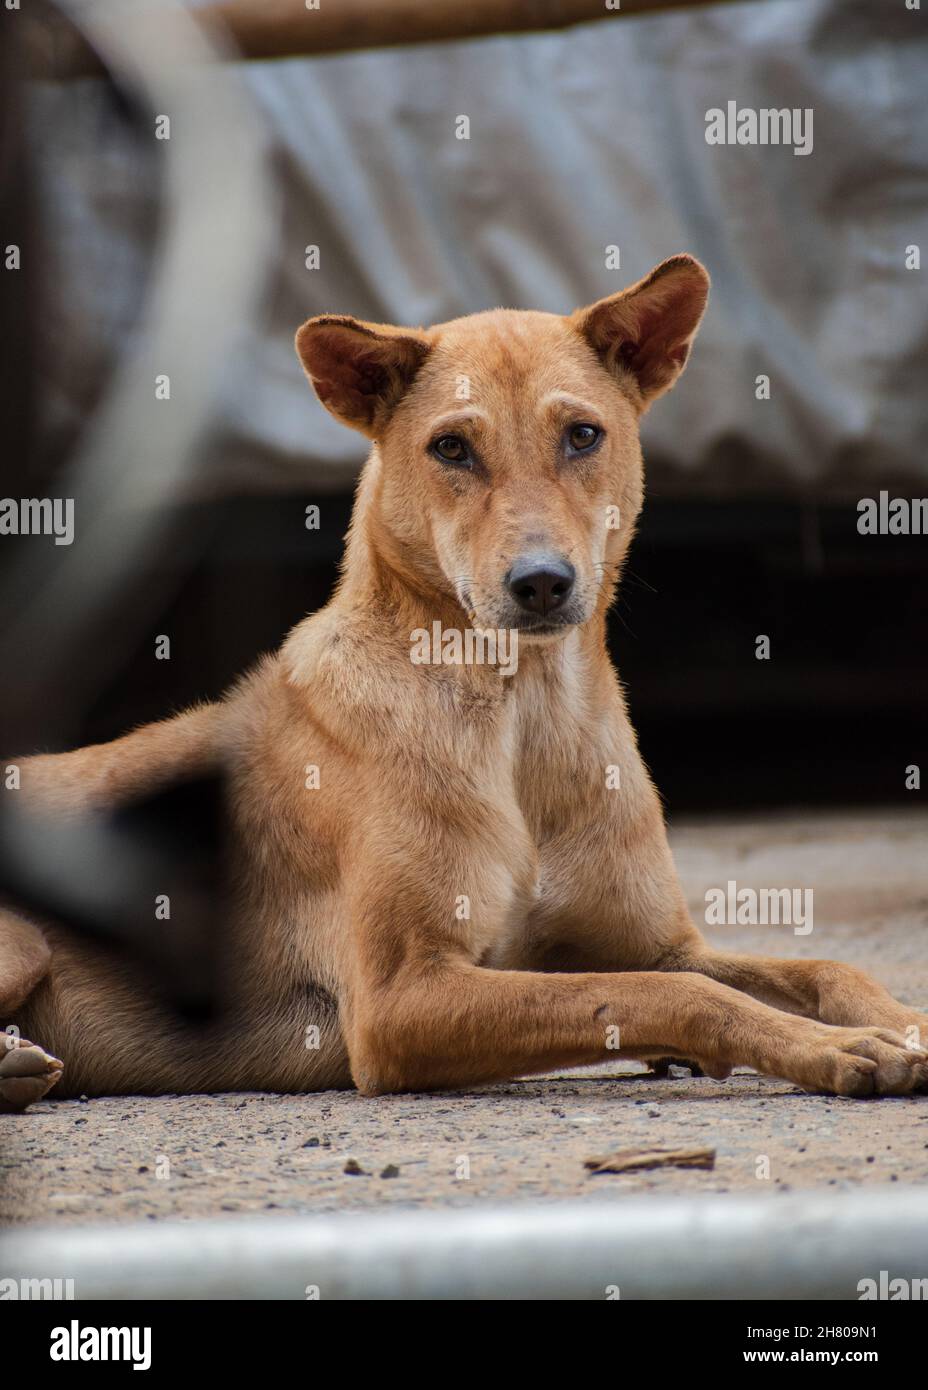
point(391, 1171)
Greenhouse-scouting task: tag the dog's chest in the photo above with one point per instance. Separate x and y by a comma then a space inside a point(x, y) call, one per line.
point(554, 754)
point(559, 749)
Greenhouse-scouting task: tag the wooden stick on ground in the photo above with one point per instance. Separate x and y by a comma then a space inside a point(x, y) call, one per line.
point(631, 1160)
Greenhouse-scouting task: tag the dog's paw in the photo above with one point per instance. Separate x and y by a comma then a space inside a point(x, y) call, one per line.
point(860, 1062)
point(26, 1073)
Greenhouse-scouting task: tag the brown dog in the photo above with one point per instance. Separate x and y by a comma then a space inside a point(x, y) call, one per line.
point(450, 874)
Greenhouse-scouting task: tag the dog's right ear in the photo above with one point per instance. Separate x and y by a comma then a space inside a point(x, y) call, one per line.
point(360, 370)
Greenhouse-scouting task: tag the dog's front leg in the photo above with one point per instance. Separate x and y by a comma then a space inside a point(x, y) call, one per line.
point(826, 990)
point(445, 1023)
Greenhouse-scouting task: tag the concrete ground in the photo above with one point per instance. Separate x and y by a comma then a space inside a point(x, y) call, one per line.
point(135, 1158)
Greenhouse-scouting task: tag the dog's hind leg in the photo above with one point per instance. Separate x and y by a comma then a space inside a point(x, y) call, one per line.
point(104, 776)
point(98, 778)
point(24, 960)
point(26, 1070)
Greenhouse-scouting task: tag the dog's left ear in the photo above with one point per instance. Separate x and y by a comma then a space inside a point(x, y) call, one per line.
point(360, 370)
point(646, 330)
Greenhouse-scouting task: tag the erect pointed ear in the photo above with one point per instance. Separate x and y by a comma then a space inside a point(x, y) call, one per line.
point(359, 370)
point(648, 328)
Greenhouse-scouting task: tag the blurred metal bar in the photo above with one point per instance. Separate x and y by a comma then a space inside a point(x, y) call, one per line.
point(287, 29)
point(72, 613)
point(811, 1245)
point(138, 453)
point(101, 875)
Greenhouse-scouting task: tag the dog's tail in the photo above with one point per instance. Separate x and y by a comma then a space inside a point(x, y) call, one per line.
point(106, 776)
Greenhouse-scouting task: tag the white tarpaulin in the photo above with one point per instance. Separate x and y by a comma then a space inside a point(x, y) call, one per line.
point(582, 140)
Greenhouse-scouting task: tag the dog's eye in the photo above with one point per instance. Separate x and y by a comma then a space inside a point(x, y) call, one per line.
point(583, 437)
point(452, 449)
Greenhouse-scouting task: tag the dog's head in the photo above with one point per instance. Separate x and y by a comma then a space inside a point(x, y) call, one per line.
point(508, 468)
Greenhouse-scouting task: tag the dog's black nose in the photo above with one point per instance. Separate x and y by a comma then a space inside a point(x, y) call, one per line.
point(541, 583)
